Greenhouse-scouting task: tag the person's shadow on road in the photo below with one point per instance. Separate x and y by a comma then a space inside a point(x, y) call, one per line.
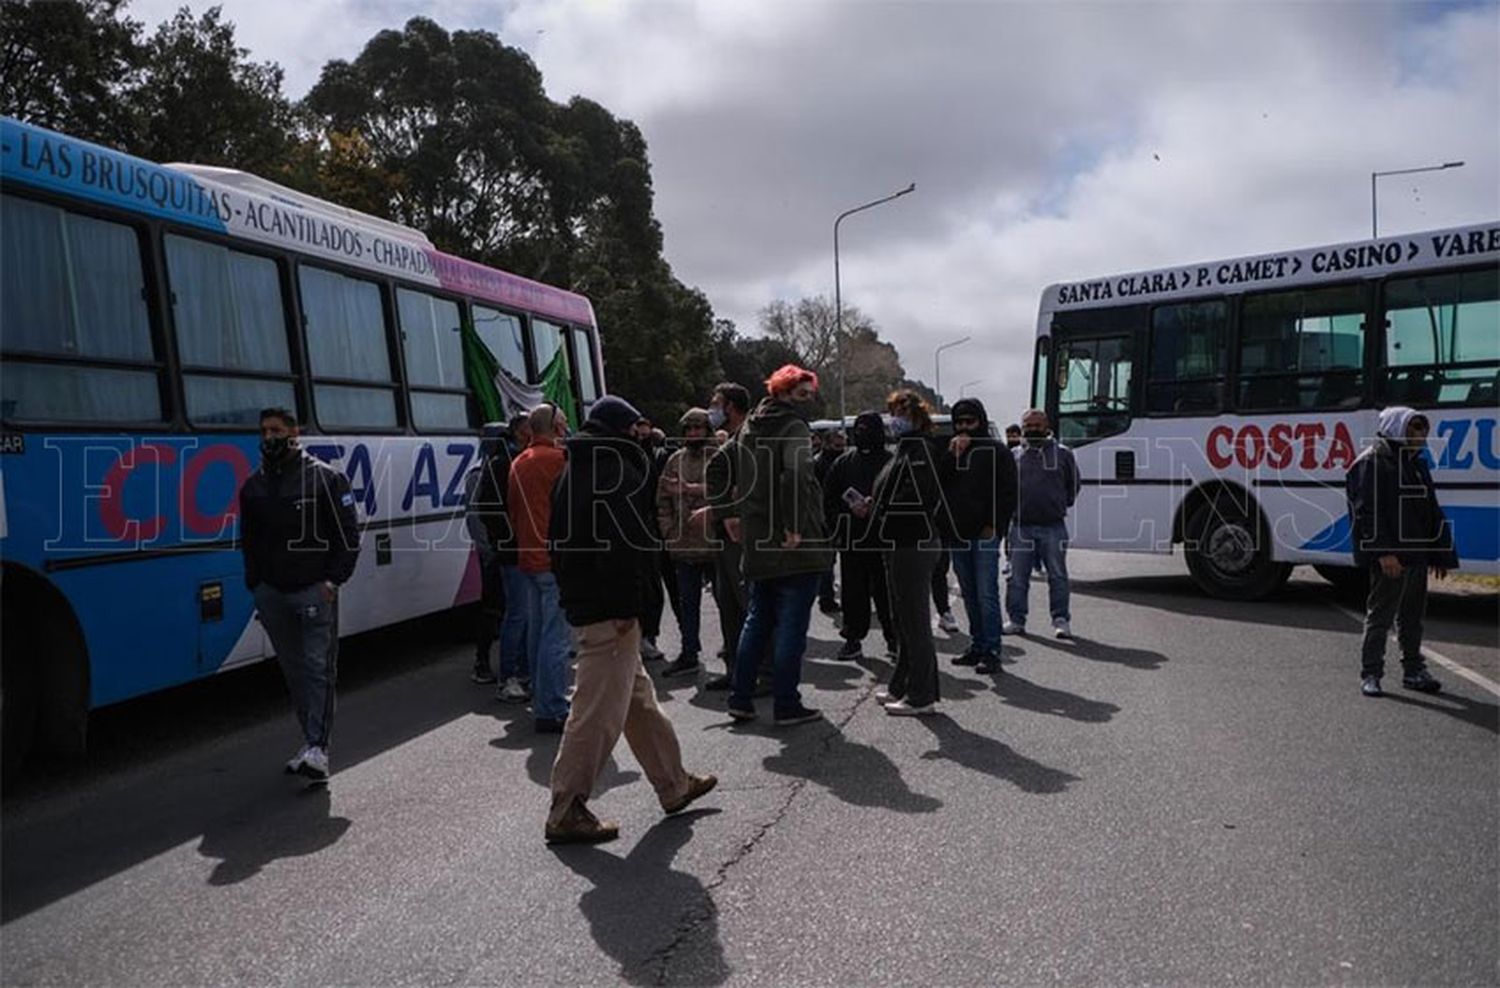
point(993, 758)
point(1476, 712)
point(1097, 651)
point(541, 752)
point(1022, 693)
point(858, 774)
point(246, 842)
point(648, 916)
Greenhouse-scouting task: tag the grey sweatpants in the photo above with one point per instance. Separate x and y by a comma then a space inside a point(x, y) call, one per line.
point(304, 630)
point(1402, 599)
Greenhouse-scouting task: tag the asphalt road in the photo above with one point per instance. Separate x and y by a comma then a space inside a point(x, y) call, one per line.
point(1193, 792)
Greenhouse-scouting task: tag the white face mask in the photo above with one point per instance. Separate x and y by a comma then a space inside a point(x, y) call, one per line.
point(715, 417)
point(900, 425)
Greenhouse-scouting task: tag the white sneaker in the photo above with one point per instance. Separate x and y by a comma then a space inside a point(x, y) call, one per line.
point(1060, 629)
point(649, 651)
point(948, 622)
point(1011, 628)
point(512, 691)
point(900, 708)
point(295, 764)
point(884, 697)
point(314, 764)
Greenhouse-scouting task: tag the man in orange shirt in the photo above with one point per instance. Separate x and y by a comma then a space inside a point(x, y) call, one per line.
point(532, 477)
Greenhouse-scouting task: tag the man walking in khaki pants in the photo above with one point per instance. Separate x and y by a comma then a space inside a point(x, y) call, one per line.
point(603, 554)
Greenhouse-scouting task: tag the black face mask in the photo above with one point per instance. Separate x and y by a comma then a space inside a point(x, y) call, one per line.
point(276, 448)
point(1035, 435)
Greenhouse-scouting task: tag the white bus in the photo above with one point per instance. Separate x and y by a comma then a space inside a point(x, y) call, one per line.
point(1218, 405)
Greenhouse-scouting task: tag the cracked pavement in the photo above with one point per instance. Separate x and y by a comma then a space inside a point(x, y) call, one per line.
point(1192, 793)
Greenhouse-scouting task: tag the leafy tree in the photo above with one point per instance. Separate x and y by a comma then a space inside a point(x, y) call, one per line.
point(749, 360)
point(66, 65)
point(200, 99)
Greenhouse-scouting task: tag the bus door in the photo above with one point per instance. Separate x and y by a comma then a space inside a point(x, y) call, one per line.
point(1091, 395)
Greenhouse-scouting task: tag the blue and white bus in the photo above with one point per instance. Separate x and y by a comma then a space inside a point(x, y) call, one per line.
point(1218, 405)
point(147, 313)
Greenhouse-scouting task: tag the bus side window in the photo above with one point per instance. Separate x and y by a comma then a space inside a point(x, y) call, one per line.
point(1442, 338)
point(73, 295)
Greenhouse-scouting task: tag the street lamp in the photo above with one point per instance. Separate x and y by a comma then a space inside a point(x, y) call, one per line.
point(1374, 227)
point(937, 367)
point(838, 302)
point(964, 388)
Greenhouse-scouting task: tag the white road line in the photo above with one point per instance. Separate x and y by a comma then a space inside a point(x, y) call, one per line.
point(1433, 655)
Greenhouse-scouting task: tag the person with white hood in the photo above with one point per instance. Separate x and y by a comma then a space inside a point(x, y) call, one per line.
point(1399, 534)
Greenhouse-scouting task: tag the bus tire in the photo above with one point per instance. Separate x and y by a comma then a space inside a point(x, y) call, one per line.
point(44, 697)
point(20, 697)
point(1228, 549)
point(1350, 583)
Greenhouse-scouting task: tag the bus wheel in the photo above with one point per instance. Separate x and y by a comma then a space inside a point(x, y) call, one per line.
point(1350, 583)
point(20, 696)
point(1229, 550)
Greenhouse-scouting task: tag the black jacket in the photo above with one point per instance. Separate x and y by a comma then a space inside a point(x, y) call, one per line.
point(298, 526)
point(858, 469)
point(1394, 510)
point(910, 507)
point(489, 504)
point(981, 487)
point(603, 529)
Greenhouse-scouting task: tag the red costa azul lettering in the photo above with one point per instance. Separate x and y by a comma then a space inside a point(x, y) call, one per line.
point(112, 504)
point(1252, 447)
point(197, 521)
point(1218, 435)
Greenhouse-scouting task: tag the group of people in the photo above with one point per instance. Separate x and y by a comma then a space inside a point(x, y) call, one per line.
point(583, 535)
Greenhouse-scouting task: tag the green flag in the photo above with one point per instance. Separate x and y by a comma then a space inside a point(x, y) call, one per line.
point(481, 370)
point(557, 386)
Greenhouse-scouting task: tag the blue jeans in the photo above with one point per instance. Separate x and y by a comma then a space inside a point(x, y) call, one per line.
point(977, 565)
point(550, 641)
point(304, 631)
point(1046, 544)
point(515, 646)
point(779, 613)
point(690, 577)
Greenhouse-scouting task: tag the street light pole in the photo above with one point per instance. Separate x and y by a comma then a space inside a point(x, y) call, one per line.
point(838, 301)
point(937, 367)
point(1374, 223)
point(963, 389)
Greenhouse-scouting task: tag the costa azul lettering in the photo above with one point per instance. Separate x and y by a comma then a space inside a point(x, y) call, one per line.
point(169, 491)
point(1310, 445)
point(1456, 444)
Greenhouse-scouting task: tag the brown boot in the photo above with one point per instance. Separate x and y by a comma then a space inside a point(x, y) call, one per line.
point(698, 785)
point(579, 826)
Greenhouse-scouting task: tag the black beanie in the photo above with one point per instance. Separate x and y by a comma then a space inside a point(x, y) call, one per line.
point(614, 415)
point(974, 407)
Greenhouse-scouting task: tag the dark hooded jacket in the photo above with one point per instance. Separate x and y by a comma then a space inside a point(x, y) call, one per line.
point(779, 493)
point(602, 530)
point(1393, 506)
point(980, 483)
point(910, 507)
point(856, 467)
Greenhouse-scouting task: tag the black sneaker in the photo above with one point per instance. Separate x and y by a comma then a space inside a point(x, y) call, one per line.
point(970, 657)
point(1370, 686)
point(717, 684)
point(746, 712)
point(482, 675)
point(550, 725)
point(1421, 681)
point(988, 664)
point(685, 664)
point(797, 715)
point(851, 652)
point(828, 606)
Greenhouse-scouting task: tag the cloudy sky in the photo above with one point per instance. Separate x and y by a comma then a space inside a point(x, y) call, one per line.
point(1048, 141)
